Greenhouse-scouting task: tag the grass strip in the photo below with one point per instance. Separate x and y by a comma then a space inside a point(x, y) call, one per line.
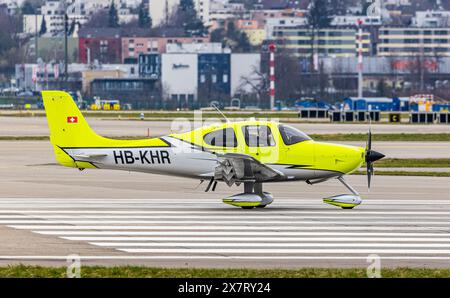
point(23, 271)
point(405, 173)
point(401, 137)
point(24, 138)
point(413, 163)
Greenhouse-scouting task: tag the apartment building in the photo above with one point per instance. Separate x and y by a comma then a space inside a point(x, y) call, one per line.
point(132, 47)
point(161, 10)
point(413, 41)
point(332, 42)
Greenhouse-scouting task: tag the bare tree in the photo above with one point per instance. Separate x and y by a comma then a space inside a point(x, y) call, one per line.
point(12, 50)
point(288, 81)
point(258, 83)
point(209, 91)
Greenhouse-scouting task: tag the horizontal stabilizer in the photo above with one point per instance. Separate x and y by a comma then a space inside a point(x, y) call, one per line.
point(89, 156)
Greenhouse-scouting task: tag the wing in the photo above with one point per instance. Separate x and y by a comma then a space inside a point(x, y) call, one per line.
point(237, 168)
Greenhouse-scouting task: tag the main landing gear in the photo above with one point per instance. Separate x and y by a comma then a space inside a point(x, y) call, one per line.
point(253, 196)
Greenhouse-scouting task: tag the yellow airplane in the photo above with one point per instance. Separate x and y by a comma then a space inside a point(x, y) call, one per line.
point(248, 152)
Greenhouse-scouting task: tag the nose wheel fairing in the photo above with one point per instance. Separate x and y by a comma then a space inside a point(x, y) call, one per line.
point(345, 201)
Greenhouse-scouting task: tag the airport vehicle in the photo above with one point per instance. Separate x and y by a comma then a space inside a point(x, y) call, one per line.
point(104, 104)
point(248, 152)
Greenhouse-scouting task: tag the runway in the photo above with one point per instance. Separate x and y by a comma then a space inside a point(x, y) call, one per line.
point(194, 232)
point(49, 212)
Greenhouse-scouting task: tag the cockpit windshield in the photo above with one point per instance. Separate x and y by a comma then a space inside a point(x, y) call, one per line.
point(292, 135)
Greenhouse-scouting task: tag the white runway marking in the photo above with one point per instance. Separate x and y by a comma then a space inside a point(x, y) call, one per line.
point(276, 224)
point(232, 212)
point(181, 201)
point(139, 229)
point(204, 217)
point(268, 251)
point(221, 257)
point(244, 246)
point(229, 233)
point(234, 228)
point(268, 240)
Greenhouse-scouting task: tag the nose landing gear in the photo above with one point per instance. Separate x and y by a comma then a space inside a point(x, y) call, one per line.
point(345, 201)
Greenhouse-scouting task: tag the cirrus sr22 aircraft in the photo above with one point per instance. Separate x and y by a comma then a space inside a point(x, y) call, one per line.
point(247, 152)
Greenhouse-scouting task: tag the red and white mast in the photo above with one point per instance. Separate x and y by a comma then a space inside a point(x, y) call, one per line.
point(272, 49)
point(360, 59)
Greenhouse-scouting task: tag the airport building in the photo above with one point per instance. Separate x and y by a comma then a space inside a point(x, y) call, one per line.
point(205, 76)
point(150, 65)
point(140, 93)
point(179, 77)
point(42, 76)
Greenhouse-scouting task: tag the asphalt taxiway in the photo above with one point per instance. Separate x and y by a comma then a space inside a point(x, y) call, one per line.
point(37, 126)
point(48, 212)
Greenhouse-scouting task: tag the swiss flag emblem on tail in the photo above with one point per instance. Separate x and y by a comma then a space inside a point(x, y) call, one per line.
point(72, 119)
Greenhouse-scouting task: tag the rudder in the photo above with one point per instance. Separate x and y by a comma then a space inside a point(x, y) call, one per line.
point(68, 127)
point(69, 130)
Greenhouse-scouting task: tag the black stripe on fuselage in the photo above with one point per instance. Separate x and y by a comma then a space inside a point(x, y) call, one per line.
point(304, 167)
point(195, 146)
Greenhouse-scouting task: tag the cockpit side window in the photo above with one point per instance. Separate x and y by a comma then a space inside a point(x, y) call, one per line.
point(292, 135)
point(258, 136)
point(221, 138)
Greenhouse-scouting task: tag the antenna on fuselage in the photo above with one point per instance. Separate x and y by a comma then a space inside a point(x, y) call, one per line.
point(220, 112)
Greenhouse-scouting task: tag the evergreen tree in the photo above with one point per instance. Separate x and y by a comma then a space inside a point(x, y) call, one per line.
point(217, 35)
point(231, 30)
point(243, 42)
point(186, 17)
point(231, 37)
point(381, 88)
point(319, 15)
point(195, 28)
point(28, 8)
point(113, 20)
point(187, 5)
point(43, 27)
point(145, 20)
point(71, 28)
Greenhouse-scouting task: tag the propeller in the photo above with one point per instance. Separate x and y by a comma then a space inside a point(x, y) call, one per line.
point(371, 156)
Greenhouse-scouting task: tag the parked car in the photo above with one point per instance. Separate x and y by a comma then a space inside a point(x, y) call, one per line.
point(25, 94)
point(10, 90)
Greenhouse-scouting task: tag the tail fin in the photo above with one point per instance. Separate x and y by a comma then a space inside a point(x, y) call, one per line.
point(68, 128)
